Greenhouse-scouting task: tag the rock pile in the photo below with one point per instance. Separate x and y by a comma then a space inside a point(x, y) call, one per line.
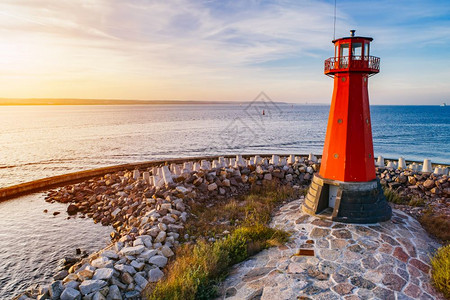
point(431, 190)
point(148, 209)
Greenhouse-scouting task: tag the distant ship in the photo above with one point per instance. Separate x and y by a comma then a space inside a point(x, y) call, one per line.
point(444, 104)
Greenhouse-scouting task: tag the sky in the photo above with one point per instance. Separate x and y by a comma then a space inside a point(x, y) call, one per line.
point(218, 49)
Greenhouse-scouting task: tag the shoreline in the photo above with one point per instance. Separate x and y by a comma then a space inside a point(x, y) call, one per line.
point(148, 204)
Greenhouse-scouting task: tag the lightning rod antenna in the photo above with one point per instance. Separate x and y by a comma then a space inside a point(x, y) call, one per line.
point(334, 29)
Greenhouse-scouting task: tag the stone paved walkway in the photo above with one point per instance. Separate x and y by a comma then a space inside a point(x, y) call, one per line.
point(386, 260)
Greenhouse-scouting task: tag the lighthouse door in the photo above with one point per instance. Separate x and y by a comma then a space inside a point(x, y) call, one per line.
point(332, 194)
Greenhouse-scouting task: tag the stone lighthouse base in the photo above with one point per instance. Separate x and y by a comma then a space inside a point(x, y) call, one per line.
point(347, 202)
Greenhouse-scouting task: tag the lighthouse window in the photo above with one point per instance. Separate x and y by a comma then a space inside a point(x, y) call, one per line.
point(343, 56)
point(366, 50)
point(356, 51)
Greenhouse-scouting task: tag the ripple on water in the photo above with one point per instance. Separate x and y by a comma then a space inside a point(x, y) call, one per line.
point(32, 242)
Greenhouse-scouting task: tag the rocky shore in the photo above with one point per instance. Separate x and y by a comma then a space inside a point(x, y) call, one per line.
point(149, 207)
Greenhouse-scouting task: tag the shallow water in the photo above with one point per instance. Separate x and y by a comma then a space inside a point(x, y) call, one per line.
point(32, 242)
point(43, 141)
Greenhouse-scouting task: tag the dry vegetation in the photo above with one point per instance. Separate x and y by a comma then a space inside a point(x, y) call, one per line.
point(200, 266)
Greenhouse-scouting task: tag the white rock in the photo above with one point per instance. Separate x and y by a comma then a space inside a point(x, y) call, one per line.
point(133, 250)
point(147, 254)
point(109, 254)
point(140, 280)
point(182, 189)
point(90, 286)
point(114, 293)
point(115, 212)
point(226, 182)
point(160, 237)
point(268, 176)
point(102, 262)
point(155, 275)
point(103, 274)
point(212, 186)
point(137, 265)
point(162, 226)
point(70, 294)
point(158, 260)
point(166, 251)
point(166, 206)
point(125, 268)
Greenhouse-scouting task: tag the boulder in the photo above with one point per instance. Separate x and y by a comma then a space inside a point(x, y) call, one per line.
point(158, 260)
point(132, 250)
point(70, 294)
point(91, 286)
point(55, 290)
point(103, 274)
point(155, 275)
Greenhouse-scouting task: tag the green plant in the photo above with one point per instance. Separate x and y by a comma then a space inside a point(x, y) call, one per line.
point(440, 271)
point(416, 201)
point(394, 197)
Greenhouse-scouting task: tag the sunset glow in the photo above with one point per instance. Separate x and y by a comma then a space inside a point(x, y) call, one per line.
point(217, 50)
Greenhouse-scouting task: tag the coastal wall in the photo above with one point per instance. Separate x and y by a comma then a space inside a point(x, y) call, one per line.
point(55, 181)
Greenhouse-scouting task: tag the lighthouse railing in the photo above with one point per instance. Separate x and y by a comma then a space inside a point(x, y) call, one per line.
point(359, 62)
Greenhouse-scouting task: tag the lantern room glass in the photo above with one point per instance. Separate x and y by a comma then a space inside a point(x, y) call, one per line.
point(356, 51)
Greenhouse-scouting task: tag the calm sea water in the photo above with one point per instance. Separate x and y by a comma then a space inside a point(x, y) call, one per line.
point(42, 141)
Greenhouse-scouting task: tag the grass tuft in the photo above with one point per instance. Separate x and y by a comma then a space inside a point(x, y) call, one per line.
point(394, 197)
point(440, 271)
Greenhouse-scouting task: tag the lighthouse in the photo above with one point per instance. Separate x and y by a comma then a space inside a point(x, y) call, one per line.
point(346, 188)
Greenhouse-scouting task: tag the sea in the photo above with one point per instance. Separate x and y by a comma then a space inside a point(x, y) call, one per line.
point(42, 141)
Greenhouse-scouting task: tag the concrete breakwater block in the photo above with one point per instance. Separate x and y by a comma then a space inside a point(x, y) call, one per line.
point(427, 168)
point(401, 163)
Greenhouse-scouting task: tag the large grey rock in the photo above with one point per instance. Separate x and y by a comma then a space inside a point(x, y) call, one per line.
point(158, 260)
point(137, 265)
point(155, 274)
point(90, 286)
point(125, 268)
point(132, 295)
point(102, 262)
point(166, 251)
point(72, 284)
point(98, 296)
point(70, 294)
point(161, 237)
point(110, 254)
point(140, 280)
point(114, 293)
point(55, 290)
point(103, 274)
point(133, 250)
point(147, 254)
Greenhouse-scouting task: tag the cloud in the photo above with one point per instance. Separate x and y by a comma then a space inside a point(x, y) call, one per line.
point(205, 47)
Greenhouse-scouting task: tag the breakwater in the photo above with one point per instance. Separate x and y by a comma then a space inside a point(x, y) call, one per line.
point(147, 205)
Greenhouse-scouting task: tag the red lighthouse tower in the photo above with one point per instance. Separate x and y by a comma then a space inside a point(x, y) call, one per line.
point(346, 188)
